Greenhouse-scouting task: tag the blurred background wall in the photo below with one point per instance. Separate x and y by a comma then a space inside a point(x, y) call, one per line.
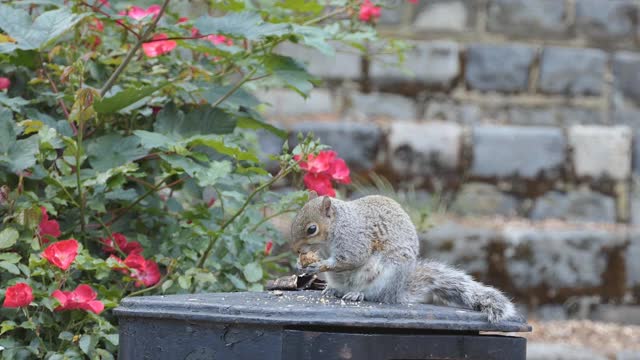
point(512, 123)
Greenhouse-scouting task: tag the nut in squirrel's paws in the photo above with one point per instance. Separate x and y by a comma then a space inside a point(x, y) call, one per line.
point(308, 258)
point(308, 263)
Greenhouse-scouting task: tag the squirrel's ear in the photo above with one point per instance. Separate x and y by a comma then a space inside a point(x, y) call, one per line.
point(326, 206)
point(312, 195)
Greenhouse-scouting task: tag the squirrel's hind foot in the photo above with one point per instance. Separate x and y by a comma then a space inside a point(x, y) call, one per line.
point(353, 296)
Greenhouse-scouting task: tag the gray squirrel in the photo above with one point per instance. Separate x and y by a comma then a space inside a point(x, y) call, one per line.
point(368, 249)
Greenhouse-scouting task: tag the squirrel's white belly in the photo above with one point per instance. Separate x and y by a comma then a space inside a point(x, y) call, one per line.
point(372, 279)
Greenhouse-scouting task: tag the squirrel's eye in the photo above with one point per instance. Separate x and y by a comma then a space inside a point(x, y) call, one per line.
point(312, 229)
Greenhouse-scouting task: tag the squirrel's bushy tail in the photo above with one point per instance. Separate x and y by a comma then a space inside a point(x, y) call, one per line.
point(436, 283)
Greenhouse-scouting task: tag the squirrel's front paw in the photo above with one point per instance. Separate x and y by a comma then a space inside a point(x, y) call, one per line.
point(331, 292)
point(310, 269)
point(353, 296)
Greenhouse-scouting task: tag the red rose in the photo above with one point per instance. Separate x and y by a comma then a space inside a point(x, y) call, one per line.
point(158, 45)
point(323, 168)
point(47, 227)
point(18, 295)
point(138, 13)
point(125, 246)
point(368, 11)
point(4, 83)
point(339, 171)
point(320, 183)
point(61, 253)
point(267, 248)
point(146, 272)
point(220, 39)
point(83, 297)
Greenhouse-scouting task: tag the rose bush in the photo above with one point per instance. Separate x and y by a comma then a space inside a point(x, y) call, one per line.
point(129, 161)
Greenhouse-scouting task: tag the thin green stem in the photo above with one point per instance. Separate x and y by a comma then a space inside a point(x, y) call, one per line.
point(234, 88)
point(112, 79)
point(80, 200)
point(259, 189)
point(325, 16)
point(264, 220)
point(137, 201)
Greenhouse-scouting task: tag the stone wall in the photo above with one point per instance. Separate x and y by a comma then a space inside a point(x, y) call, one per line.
point(517, 108)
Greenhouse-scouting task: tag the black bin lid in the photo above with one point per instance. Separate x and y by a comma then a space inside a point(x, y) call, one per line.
point(308, 308)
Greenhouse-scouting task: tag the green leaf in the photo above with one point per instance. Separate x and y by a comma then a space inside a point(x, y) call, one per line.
point(37, 34)
point(22, 154)
point(152, 140)
point(10, 267)
point(7, 325)
point(216, 143)
point(184, 282)
point(199, 120)
point(114, 150)
point(8, 130)
point(314, 37)
point(252, 122)
point(307, 6)
point(206, 175)
point(125, 98)
point(240, 97)
point(166, 285)
point(216, 171)
point(87, 343)
point(14, 103)
point(112, 338)
point(8, 238)
point(10, 257)
point(65, 335)
point(291, 72)
point(245, 24)
point(236, 281)
point(252, 272)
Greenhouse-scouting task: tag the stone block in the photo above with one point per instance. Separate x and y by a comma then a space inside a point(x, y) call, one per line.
point(570, 71)
point(435, 64)
point(344, 65)
point(443, 16)
point(619, 314)
point(525, 18)
point(555, 116)
point(383, 105)
point(551, 313)
point(581, 205)
point(628, 355)
point(632, 259)
point(557, 257)
point(269, 144)
point(484, 200)
point(551, 351)
point(456, 244)
point(417, 149)
point(606, 20)
point(289, 103)
point(503, 68)
point(516, 151)
point(626, 72)
point(356, 143)
point(450, 111)
point(601, 151)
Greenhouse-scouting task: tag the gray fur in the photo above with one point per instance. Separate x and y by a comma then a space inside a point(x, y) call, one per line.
point(369, 250)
